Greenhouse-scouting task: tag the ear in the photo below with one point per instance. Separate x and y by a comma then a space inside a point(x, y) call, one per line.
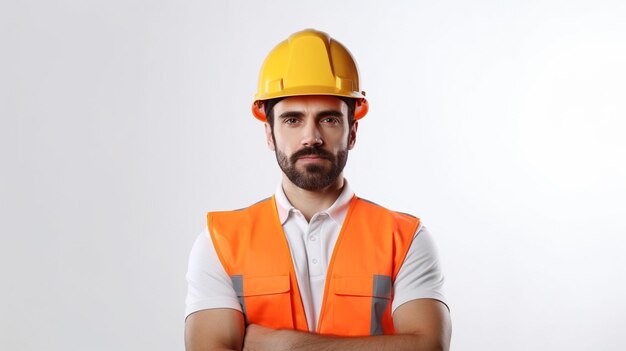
point(352, 135)
point(268, 137)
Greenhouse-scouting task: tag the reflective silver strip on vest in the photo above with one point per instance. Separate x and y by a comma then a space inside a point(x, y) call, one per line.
point(381, 295)
point(238, 287)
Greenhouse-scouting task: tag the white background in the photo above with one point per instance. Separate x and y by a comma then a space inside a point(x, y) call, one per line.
point(499, 123)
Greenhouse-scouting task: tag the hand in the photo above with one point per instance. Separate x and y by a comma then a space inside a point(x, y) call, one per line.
point(260, 338)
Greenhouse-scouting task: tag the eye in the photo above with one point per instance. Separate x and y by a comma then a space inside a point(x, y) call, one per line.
point(331, 120)
point(290, 121)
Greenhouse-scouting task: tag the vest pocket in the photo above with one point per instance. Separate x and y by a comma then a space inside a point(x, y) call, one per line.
point(267, 301)
point(362, 301)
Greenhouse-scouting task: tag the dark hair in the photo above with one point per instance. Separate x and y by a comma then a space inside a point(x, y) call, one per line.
point(269, 109)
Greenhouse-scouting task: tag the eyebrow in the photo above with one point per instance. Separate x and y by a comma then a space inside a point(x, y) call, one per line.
point(290, 114)
point(325, 113)
point(334, 113)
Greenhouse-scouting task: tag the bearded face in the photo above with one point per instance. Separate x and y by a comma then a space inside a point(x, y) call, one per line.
point(312, 176)
point(311, 137)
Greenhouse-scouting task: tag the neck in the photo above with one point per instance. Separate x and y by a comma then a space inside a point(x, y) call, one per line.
point(309, 202)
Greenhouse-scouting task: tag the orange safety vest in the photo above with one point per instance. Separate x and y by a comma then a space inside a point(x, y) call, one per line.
point(370, 249)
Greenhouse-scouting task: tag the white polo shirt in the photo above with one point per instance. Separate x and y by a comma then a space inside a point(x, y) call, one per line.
point(311, 245)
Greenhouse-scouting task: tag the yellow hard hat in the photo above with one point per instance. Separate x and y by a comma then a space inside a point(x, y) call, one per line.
point(309, 62)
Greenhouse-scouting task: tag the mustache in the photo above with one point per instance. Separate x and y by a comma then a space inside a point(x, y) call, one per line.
point(311, 151)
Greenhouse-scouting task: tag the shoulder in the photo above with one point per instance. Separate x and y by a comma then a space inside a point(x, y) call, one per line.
point(242, 212)
point(241, 222)
point(378, 210)
point(373, 205)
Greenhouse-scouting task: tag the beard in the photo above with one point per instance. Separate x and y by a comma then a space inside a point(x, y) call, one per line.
point(314, 176)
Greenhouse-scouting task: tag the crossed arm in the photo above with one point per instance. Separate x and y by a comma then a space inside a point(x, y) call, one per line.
point(421, 325)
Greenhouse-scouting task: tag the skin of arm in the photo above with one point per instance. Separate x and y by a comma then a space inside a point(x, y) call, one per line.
point(217, 329)
point(421, 325)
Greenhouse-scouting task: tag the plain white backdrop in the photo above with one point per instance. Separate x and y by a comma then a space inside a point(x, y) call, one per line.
point(499, 123)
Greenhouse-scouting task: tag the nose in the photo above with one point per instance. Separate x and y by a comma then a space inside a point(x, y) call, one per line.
point(312, 136)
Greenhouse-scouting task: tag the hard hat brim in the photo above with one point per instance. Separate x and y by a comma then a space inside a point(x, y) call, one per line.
point(314, 90)
point(361, 108)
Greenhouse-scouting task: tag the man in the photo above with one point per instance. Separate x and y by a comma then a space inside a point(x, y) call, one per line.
point(314, 267)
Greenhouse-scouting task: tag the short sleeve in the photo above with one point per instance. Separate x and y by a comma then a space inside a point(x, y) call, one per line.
point(420, 275)
point(208, 284)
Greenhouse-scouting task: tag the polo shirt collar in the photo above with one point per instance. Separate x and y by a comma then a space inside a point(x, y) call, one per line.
point(337, 211)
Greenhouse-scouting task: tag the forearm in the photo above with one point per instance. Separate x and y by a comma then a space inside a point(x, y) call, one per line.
point(430, 332)
point(283, 340)
point(315, 342)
